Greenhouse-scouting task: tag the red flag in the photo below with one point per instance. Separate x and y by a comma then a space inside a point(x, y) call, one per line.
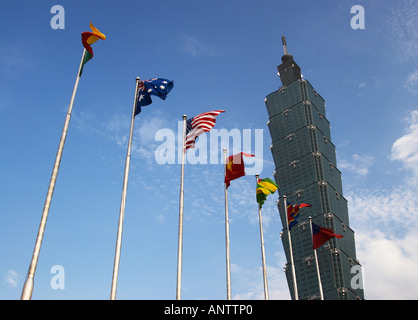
point(235, 167)
point(320, 235)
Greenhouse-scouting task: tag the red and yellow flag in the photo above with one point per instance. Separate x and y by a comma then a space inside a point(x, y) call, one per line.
point(88, 38)
point(235, 167)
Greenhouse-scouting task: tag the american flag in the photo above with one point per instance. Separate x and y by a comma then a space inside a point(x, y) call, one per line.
point(197, 125)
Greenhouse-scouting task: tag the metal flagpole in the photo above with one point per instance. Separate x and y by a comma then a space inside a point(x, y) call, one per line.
point(29, 282)
point(295, 286)
point(317, 265)
point(181, 208)
point(263, 255)
point(123, 200)
point(228, 259)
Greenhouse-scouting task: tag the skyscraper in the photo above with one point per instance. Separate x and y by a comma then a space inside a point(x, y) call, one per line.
point(306, 172)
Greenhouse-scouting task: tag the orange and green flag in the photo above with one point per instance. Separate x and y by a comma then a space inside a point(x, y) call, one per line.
point(88, 38)
point(265, 187)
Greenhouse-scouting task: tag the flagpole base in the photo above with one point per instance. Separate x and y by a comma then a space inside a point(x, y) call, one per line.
point(27, 289)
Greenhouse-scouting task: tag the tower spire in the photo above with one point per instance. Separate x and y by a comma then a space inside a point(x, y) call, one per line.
point(286, 56)
point(289, 71)
point(284, 45)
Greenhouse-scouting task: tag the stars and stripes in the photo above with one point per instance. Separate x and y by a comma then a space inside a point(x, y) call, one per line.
point(197, 125)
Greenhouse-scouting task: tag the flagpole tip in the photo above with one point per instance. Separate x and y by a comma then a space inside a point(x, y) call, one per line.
point(184, 117)
point(138, 79)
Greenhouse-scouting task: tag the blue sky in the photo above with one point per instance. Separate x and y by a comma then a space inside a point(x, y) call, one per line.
point(221, 55)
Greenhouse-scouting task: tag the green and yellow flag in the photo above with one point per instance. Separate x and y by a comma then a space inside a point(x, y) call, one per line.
point(265, 187)
point(88, 38)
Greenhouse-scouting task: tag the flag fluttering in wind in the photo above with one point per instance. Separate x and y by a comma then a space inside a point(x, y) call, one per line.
point(197, 125)
point(157, 87)
point(235, 167)
point(192, 128)
point(88, 38)
point(265, 187)
point(293, 213)
point(320, 235)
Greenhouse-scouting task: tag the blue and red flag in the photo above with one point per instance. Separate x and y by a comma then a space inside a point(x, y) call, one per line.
point(158, 87)
point(293, 213)
point(320, 235)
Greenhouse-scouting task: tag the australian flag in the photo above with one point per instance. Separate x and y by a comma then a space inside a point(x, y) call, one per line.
point(158, 87)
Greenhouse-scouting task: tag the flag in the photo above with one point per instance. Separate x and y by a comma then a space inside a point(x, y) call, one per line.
point(235, 167)
point(197, 125)
point(88, 38)
point(265, 187)
point(293, 213)
point(320, 235)
point(158, 87)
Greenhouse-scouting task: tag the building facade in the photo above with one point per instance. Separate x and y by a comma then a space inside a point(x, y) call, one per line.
point(306, 172)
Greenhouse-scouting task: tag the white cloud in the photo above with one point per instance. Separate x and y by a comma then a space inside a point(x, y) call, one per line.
point(241, 194)
point(358, 164)
point(83, 119)
point(12, 278)
point(385, 222)
point(361, 85)
point(117, 130)
point(390, 265)
point(196, 47)
point(249, 283)
point(405, 149)
point(402, 28)
point(392, 211)
point(411, 82)
point(146, 129)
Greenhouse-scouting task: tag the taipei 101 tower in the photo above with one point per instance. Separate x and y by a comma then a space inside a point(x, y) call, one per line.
point(306, 172)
